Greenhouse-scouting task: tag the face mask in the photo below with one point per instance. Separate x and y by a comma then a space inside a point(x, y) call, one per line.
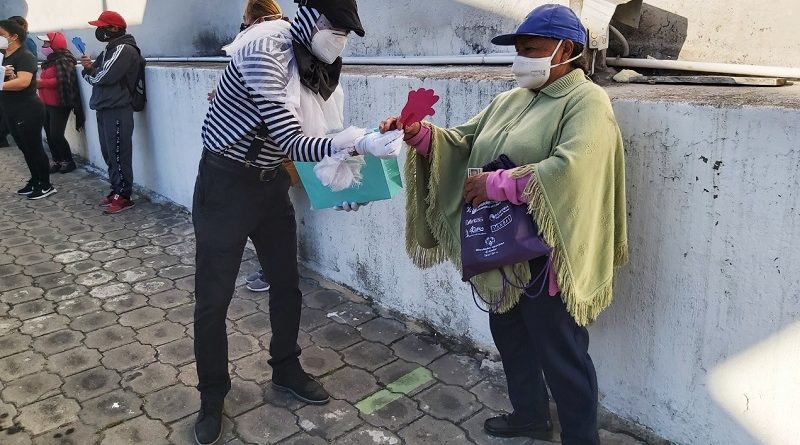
point(533, 72)
point(3, 42)
point(106, 35)
point(328, 45)
point(47, 51)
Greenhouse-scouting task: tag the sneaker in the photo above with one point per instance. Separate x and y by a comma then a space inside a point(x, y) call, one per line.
point(25, 191)
point(105, 202)
point(507, 426)
point(118, 204)
point(302, 386)
point(67, 166)
point(254, 276)
point(208, 427)
point(55, 167)
point(258, 286)
point(42, 191)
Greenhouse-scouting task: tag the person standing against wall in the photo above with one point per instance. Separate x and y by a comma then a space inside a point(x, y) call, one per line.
point(23, 110)
point(58, 89)
point(30, 44)
point(113, 76)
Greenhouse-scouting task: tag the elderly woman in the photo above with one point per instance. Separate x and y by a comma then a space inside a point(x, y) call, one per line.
point(560, 129)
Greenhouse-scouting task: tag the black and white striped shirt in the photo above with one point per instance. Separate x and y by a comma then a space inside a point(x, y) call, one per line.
point(241, 106)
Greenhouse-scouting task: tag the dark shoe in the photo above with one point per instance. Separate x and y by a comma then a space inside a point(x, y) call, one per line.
point(68, 166)
point(4, 143)
point(42, 191)
point(301, 385)
point(25, 191)
point(506, 426)
point(105, 202)
point(118, 204)
point(208, 427)
point(55, 167)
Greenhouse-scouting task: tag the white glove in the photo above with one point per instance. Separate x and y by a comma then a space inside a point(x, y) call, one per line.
point(349, 206)
point(346, 139)
point(381, 145)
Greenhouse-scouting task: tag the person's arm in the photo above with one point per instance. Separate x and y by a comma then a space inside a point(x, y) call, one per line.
point(116, 65)
point(23, 80)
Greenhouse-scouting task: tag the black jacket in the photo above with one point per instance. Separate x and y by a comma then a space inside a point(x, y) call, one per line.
point(113, 74)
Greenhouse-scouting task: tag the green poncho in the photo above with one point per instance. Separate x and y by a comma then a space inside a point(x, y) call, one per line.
point(568, 138)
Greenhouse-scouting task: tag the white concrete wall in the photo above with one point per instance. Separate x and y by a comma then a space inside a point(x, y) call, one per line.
point(702, 342)
point(737, 31)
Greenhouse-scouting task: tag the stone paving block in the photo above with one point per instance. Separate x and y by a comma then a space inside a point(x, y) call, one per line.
point(33, 258)
point(58, 341)
point(48, 414)
point(32, 309)
point(76, 433)
point(395, 415)
point(91, 383)
point(66, 292)
point(124, 303)
point(23, 250)
point(318, 362)
point(493, 394)
point(71, 256)
point(139, 430)
point(256, 324)
point(145, 251)
point(122, 264)
point(160, 261)
point(422, 349)
point(323, 299)
point(354, 314)
point(160, 333)
point(95, 278)
point(107, 255)
point(117, 235)
point(335, 336)
point(476, 434)
point(110, 290)
point(183, 431)
point(186, 284)
point(150, 378)
point(167, 240)
point(368, 355)
point(55, 249)
point(311, 319)
point(31, 388)
point(153, 286)
point(368, 435)
point(240, 345)
point(266, 425)
point(81, 267)
point(173, 403)
point(240, 308)
point(15, 241)
point(8, 324)
point(21, 295)
point(428, 430)
point(183, 314)
point(73, 361)
point(383, 330)
point(397, 369)
point(170, 298)
point(76, 307)
point(178, 352)
point(457, 370)
point(93, 321)
point(15, 282)
point(111, 409)
point(254, 368)
point(45, 268)
point(243, 397)
point(7, 414)
point(96, 246)
point(610, 438)
point(329, 421)
point(448, 403)
point(177, 271)
point(141, 317)
point(58, 279)
point(7, 270)
point(136, 274)
point(130, 356)
point(44, 325)
point(350, 384)
point(11, 344)
point(133, 242)
point(188, 375)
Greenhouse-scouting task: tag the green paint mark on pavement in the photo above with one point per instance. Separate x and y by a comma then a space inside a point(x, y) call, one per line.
point(395, 390)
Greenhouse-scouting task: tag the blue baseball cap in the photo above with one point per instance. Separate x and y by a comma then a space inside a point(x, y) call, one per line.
point(553, 21)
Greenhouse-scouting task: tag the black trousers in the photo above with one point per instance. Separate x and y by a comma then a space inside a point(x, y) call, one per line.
point(539, 335)
point(25, 121)
point(54, 128)
point(115, 127)
point(229, 207)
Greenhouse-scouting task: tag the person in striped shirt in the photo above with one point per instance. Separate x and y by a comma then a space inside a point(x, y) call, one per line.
point(278, 97)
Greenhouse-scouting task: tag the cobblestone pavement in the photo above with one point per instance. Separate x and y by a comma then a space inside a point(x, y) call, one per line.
point(96, 341)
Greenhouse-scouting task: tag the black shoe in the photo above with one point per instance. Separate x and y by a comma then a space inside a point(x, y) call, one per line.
point(67, 167)
point(4, 143)
point(506, 426)
point(302, 386)
point(55, 167)
point(208, 427)
point(27, 190)
point(40, 192)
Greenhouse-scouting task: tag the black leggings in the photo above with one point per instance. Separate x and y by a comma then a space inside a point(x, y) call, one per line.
point(25, 120)
point(54, 127)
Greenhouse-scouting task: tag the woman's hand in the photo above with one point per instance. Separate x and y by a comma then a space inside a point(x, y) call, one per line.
point(391, 124)
point(475, 189)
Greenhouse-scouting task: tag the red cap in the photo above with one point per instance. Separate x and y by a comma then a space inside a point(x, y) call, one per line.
point(109, 18)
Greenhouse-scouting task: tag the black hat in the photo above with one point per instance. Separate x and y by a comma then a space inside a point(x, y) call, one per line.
point(341, 13)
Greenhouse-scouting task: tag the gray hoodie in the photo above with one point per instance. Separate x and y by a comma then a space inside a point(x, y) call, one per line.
point(113, 74)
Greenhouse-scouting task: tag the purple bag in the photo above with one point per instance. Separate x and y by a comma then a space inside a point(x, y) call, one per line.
point(498, 234)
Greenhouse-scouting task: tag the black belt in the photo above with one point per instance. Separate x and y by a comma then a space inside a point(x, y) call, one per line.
point(241, 169)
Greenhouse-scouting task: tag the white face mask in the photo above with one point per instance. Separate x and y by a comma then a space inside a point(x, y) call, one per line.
point(533, 72)
point(3, 42)
point(328, 45)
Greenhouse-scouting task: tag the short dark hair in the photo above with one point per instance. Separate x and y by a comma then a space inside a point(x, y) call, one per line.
point(14, 28)
point(20, 20)
point(581, 62)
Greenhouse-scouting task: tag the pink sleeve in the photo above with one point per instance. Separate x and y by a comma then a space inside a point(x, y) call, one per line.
point(421, 141)
point(552, 286)
point(500, 186)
